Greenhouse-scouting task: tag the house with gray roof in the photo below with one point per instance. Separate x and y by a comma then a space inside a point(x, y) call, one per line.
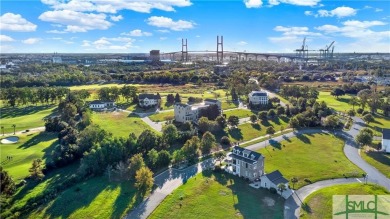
point(386, 140)
point(149, 100)
point(272, 180)
point(245, 163)
point(258, 97)
point(101, 105)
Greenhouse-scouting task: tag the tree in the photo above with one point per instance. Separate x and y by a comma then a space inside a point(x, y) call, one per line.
point(164, 158)
point(170, 133)
point(270, 130)
point(191, 148)
point(282, 187)
point(225, 140)
point(147, 140)
point(364, 95)
point(90, 136)
point(294, 180)
point(170, 98)
point(36, 169)
point(207, 143)
point(263, 115)
point(337, 92)
point(351, 112)
point(204, 124)
point(177, 98)
point(354, 101)
point(368, 118)
point(365, 136)
point(211, 112)
point(280, 110)
point(136, 162)
point(234, 94)
point(152, 158)
point(331, 121)
point(221, 122)
point(144, 179)
point(271, 113)
point(233, 121)
point(253, 118)
point(7, 183)
point(219, 156)
point(178, 156)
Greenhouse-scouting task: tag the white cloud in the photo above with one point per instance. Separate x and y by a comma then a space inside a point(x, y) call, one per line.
point(31, 41)
point(242, 43)
point(378, 9)
point(163, 31)
point(294, 2)
point(116, 18)
point(308, 13)
point(137, 33)
point(292, 34)
point(163, 38)
point(56, 31)
point(107, 6)
point(76, 21)
point(197, 36)
point(5, 38)
point(337, 12)
point(253, 3)
point(15, 22)
point(109, 44)
point(166, 22)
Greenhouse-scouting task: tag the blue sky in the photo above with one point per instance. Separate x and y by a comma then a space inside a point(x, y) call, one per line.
point(127, 26)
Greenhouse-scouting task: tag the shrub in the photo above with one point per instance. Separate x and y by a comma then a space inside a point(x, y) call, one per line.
point(217, 168)
point(225, 140)
point(360, 110)
point(307, 180)
point(273, 190)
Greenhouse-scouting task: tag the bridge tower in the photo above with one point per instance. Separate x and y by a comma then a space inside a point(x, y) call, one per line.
point(220, 49)
point(184, 50)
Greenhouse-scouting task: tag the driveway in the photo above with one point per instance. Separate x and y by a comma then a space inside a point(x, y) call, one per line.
point(167, 182)
point(271, 95)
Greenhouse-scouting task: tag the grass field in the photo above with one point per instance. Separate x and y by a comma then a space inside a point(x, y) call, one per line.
point(319, 203)
point(313, 157)
point(227, 104)
point(159, 117)
point(380, 121)
point(340, 104)
point(24, 117)
point(219, 195)
point(120, 124)
point(248, 131)
point(241, 113)
point(29, 147)
point(379, 160)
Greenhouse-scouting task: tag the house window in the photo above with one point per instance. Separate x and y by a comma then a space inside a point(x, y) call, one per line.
point(246, 165)
point(234, 161)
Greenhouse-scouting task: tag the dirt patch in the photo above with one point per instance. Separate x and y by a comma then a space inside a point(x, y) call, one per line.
point(10, 140)
point(268, 201)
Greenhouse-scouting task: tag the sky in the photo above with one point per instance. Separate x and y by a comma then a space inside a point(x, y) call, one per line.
point(133, 26)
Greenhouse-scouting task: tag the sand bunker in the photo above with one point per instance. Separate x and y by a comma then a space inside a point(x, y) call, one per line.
point(10, 140)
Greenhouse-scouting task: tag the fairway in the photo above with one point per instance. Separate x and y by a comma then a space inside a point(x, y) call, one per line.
point(25, 117)
point(120, 124)
point(219, 195)
point(29, 147)
point(313, 157)
point(340, 104)
point(319, 203)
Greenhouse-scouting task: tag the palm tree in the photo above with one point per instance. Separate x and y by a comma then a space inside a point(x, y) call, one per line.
point(14, 127)
point(281, 187)
point(353, 101)
point(294, 180)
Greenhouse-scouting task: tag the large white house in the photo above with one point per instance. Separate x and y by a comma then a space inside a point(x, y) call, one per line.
point(149, 100)
point(258, 97)
point(186, 112)
point(100, 105)
point(245, 163)
point(386, 140)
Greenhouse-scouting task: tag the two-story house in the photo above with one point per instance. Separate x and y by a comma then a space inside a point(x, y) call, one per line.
point(246, 163)
point(186, 112)
point(258, 97)
point(149, 100)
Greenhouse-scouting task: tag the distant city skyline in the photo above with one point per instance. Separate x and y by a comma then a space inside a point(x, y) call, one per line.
point(138, 26)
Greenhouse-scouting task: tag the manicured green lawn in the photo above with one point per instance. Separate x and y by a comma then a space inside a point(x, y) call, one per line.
point(241, 113)
point(379, 160)
point(120, 124)
point(319, 203)
point(24, 117)
point(314, 157)
point(380, 121)
point(159, 117)
point(229, 105)
point(29, 147)
point(248, 131)
point(219, 195)
point(340, 104)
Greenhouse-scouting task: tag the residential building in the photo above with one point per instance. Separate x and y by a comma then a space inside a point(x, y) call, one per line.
point(149, 100)
point(272, 180)
point(221, 70)
point(186, 112)
point(386, 140)
point(246, 163)
point(258, 97)
point(101, 105)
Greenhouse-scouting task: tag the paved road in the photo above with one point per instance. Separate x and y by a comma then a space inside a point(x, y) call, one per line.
point(155, 125)
point(271, 95)
point(167, 182)
point(351, 150)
